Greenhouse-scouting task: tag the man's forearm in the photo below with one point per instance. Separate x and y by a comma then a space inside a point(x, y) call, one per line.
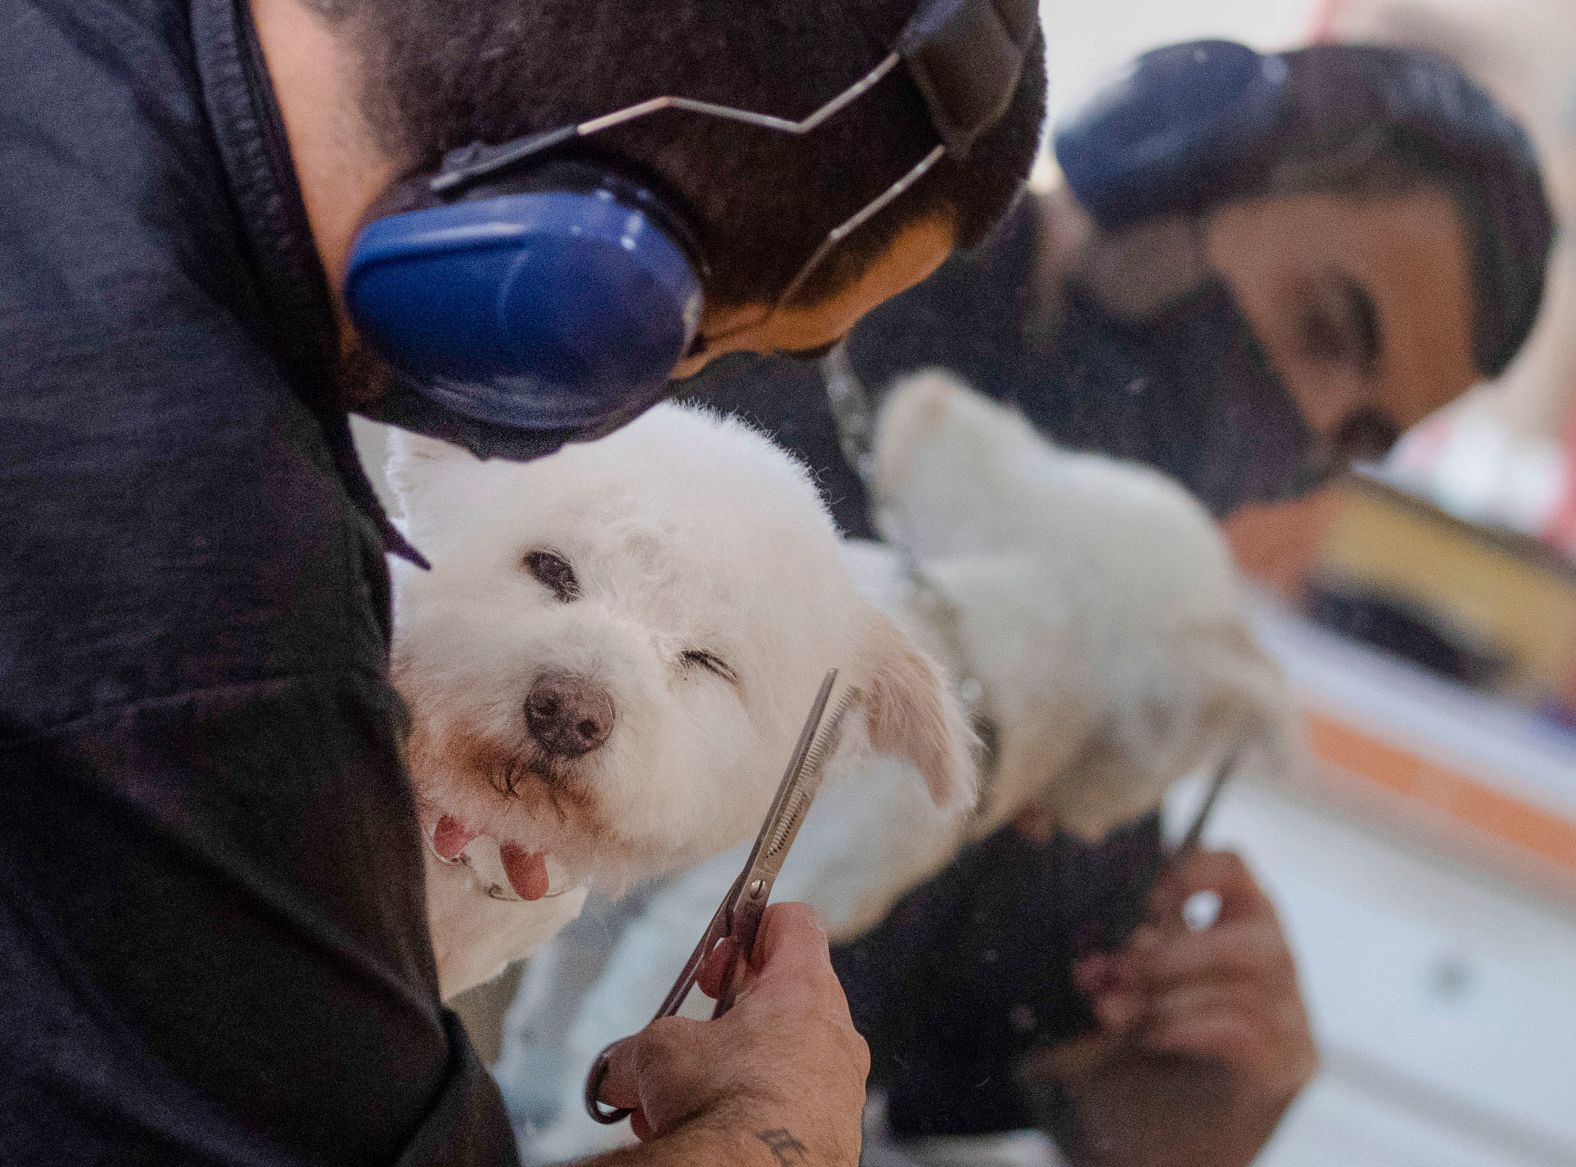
point(1146, 1124)
point(712, 1142)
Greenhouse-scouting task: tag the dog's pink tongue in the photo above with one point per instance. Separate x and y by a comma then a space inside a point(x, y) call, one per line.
point(527, 871)
point(450, 838)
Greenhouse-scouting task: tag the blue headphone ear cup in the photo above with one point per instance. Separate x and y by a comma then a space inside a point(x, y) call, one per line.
point(1169, 132)
point(545, 309)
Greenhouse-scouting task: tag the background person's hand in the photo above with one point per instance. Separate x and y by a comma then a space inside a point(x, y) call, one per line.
point(1204, 1041)
point(781, 1075)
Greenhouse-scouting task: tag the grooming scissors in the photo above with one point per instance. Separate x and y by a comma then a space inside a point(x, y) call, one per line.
point(738, 917)
point(1132, 905)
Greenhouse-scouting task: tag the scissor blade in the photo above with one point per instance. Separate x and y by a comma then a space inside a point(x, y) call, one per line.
point(783, 803)
point(1195, 831)
point(808, 785)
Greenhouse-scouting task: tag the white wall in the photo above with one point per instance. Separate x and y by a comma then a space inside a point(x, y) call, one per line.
point(1087, 39)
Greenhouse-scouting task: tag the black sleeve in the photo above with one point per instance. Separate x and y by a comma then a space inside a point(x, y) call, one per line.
point(213, 943)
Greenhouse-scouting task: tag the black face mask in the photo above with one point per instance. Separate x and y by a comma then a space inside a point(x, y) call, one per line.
point(1190, 391)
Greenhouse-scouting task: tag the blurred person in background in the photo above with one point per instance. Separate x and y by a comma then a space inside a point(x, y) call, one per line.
point(1349, 251)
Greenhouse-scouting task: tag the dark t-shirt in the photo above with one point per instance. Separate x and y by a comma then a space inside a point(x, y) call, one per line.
point(213, 945)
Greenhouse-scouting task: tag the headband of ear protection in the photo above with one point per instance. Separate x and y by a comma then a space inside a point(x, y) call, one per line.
point(1190, 124)
point(1165, 132)
point(527, 292)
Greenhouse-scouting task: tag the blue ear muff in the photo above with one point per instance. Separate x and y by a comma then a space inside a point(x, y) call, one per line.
point(1167, 133)
point(544, 309)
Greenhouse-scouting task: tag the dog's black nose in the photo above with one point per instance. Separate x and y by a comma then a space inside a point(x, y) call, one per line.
point(568, 715)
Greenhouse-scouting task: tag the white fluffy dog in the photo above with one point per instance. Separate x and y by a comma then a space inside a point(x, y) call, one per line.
point(609, 662)
point(1096, 601)
point(1098, 606)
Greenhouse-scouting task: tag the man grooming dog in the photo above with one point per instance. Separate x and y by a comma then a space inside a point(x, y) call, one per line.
point(606, 666)
point(223, 222)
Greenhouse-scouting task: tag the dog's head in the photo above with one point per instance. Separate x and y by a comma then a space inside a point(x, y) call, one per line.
point(610, 660)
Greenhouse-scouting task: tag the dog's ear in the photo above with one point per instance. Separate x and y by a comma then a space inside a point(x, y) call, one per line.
point(911, 714)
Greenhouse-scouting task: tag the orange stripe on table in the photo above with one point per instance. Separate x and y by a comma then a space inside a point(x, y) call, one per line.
point(1502, 816)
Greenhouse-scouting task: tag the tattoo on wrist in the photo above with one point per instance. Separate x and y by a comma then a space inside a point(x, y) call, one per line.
point(786, 1149)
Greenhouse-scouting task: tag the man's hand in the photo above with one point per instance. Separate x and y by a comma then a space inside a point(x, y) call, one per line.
point(1203, 1042)
point(779, 1080)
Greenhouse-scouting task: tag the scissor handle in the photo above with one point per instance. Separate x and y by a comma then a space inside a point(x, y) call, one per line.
point(606, 1115)
point(749, 906)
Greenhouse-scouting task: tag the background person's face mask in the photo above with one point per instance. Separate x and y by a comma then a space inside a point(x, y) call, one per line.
point(1190, 391)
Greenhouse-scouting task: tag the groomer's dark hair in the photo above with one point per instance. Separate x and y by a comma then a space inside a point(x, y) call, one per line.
point(1366, 119)
point(438, 74)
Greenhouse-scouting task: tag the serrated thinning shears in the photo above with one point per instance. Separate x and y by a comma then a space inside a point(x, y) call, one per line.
point(738, 917)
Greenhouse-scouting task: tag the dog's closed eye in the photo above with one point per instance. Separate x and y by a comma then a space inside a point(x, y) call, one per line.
point(553, 572)
point(710, 662)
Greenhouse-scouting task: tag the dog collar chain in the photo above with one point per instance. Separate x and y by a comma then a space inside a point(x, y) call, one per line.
point(853, 412)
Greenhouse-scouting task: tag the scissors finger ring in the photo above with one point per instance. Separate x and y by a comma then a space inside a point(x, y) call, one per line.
point(606, 1115)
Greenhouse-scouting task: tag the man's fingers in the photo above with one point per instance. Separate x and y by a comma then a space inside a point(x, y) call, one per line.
point(1245, 951)
point(793, 956)
point(620, 1087)
point(1226, 1039)
point(791, 942)
point(788, 1039)
point(1238, 1026)
point(1222, 872)
point(633, 1062)
point(716, 968)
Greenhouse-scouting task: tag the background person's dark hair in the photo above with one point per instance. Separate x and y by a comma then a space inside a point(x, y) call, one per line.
point(1334, 137)
point(440, 74)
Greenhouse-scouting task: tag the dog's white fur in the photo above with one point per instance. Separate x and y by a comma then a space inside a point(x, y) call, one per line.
point(1098, 604)
point(686, 532)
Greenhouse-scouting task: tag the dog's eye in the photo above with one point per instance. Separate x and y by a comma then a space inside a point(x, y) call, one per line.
point(711, 663)
point(554, 573)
